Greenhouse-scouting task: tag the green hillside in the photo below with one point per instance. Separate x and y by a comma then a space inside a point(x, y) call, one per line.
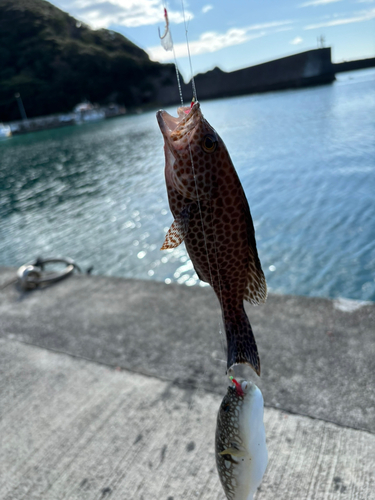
point(54, 62)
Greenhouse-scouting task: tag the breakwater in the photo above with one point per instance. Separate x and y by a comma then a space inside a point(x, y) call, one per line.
point(313, 67)
point(354, 65)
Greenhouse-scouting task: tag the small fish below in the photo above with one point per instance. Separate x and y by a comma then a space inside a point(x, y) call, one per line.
point(212, 216)
point(240, 441)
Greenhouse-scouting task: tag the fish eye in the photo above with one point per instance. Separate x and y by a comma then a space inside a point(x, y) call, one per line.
point(209, 143)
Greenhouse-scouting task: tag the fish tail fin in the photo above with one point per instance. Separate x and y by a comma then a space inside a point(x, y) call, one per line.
point(242, 347)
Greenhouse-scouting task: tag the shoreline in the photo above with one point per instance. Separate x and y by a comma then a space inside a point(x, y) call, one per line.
point(341, 302)
point(310, 68)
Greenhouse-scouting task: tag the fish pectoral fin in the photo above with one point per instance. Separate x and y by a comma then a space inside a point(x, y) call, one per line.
point(234, 451)
point(177, 232)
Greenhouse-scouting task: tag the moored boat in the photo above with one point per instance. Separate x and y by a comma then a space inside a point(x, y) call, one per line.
point(5, 131)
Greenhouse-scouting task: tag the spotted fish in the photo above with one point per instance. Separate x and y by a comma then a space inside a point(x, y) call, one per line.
point(240, 442)
point(212, 216)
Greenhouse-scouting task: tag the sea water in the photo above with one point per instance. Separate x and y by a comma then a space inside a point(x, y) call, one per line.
point(306, 159)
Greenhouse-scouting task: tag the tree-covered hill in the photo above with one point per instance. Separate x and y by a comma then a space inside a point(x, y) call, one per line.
point(55, 62)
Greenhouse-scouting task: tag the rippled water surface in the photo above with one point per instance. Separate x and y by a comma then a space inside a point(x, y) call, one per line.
point(306, 159)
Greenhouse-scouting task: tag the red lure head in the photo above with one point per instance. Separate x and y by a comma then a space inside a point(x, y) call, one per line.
point(239, 389)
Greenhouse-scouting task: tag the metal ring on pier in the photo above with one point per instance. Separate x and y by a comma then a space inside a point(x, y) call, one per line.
point(32, 275)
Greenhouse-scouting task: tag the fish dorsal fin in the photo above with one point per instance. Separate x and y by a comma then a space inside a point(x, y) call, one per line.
point(177, 232)
point(256, 287)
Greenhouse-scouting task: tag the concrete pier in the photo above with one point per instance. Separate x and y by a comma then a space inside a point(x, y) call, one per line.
point(109, 388)
point(312, 67)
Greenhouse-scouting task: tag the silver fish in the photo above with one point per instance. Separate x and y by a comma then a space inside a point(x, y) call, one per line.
point(240, 443)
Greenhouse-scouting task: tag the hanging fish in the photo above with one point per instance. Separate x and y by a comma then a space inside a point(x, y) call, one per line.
point(240, 441)
point(212, 215)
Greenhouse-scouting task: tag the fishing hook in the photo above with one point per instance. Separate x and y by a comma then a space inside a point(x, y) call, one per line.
point(166, 25)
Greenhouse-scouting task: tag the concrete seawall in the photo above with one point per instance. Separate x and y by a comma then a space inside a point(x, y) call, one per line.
point(111, 386)
point(354, 65)
point(312, 67)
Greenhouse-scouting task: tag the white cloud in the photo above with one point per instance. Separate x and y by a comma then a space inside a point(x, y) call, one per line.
point(358, 18)
point(280, 30)
point(128, 13)
point(315, 3)
point(296, 41)
point(263, 26)
point(207, 8)
point(207, 42)
point(212, 41)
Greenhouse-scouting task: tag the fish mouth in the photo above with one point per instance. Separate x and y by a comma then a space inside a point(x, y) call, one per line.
point(176, 129)
point(242, 388)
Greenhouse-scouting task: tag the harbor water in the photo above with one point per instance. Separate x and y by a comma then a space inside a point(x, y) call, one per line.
point(306, 159)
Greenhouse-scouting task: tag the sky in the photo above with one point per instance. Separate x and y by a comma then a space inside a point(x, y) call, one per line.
point(234, 34)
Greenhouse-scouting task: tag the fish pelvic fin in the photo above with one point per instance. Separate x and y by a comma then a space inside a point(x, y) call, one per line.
point(177, 232)
point(241, 344)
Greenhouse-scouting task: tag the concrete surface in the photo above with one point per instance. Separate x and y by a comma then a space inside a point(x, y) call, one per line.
point(316, 359)
point(74, 428)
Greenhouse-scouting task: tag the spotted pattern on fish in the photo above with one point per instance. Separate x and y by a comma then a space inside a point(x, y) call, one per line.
point(205, 192)
point(240, 441)
point(228, 434)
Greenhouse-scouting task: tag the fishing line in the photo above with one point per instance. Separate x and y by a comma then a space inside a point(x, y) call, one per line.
point(195, 98)
point(205, 238)
point(199, 386)
point(168, 45)
point(168, 32)
point(220, 289)
point(201, 378)
point(188, 49)
point(178, 78)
